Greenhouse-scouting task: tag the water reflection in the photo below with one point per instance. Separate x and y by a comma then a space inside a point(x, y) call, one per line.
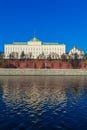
point(46, 102)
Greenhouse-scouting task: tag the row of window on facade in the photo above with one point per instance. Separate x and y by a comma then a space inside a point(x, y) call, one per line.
point(34, 48)
point(35, 53)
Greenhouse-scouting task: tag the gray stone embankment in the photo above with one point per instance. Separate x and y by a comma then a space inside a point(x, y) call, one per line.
point(37, 72)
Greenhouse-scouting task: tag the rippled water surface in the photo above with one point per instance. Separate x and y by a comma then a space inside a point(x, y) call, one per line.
point(43, 103)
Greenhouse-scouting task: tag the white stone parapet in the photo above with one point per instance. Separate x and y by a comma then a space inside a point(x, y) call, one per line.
point(42, 72)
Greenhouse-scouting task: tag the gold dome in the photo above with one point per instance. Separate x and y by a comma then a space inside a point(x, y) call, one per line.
point(35, 39)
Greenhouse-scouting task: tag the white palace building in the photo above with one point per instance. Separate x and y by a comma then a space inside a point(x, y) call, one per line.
point(33, 49)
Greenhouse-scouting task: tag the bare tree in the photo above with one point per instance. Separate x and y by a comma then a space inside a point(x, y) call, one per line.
point(54, 55)
point(41, 56)
point(63, 57)
point(1, 55)
point(30, 55)
point(22, 56)
point(13, 55)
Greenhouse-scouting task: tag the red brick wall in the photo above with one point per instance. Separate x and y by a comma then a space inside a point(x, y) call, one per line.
point(55, 64)
point(83, 65)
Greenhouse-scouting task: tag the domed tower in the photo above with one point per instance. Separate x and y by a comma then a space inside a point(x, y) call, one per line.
point(34, 41)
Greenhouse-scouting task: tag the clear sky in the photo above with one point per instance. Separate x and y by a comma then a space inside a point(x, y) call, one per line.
point(63, 21)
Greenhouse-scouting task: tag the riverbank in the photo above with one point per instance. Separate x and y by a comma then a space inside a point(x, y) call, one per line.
point(47, 72)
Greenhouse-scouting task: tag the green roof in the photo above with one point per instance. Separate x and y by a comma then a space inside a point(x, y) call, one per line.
point(52, 43)
point(35, 39)
point(17, 43)
point(20, 43)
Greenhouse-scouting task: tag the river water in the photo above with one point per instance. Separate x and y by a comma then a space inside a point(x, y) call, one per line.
point(43, 103)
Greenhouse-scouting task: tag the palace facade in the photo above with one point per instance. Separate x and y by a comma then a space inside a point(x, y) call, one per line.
point(33, 49)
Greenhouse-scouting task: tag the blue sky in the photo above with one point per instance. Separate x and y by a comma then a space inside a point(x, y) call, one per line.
point(63, 21)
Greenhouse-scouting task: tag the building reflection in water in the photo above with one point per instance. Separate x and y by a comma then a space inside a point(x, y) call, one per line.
point(36, 95)
point(37, 89)
point(33, 90)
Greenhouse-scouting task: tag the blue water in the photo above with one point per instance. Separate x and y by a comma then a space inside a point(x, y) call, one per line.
point(43, 103)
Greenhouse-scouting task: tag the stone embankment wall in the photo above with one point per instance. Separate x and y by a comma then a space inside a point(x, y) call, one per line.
point(51, 64)
point(42, 72)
